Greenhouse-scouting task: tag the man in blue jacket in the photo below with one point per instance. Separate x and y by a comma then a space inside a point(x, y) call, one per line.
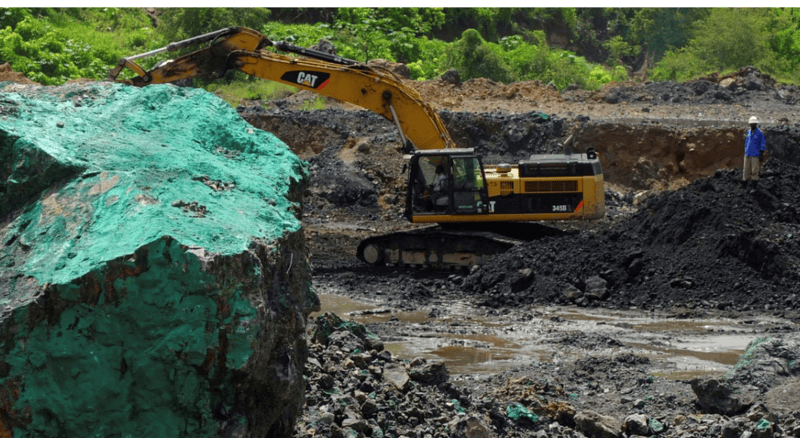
point(754, 147)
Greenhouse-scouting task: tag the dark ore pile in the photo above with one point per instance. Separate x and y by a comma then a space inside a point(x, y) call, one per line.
point(716, 243)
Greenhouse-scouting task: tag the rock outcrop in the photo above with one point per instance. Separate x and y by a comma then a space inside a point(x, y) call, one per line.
point(768, 366)
point(153, 274)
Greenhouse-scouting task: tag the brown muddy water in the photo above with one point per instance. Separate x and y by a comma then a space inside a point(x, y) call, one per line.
point(472, 342)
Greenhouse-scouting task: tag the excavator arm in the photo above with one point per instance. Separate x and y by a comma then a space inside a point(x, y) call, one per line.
point(374, 89)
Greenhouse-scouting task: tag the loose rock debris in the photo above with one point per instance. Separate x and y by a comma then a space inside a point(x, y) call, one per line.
point(358, 388)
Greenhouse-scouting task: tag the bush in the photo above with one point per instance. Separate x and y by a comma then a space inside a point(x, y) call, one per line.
point(56, 48)
point(473, 57)
point(303, 35)
point(513, 59)
point(431, 61)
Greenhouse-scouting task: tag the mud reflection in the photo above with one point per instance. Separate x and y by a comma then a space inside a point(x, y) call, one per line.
point(475, 343)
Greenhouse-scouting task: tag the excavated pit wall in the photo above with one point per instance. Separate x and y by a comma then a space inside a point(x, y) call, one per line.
point(641, 154)
point(153, 273)
point(662, 154)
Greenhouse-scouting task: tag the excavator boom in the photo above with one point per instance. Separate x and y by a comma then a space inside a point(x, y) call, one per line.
point(374, 89)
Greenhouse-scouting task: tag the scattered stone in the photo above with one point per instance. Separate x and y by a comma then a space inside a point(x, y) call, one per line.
point(452, 77)
point(720, 397)
point(430, 372)
point(398, 68)
point(395, 374)
point(596, 288)
point(591, 423)
point(469, 427)
point(783, 398)
point(636, 424)
point(324, 45)
point(571, 292)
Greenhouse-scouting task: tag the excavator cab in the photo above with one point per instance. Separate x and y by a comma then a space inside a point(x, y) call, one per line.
point(446, 182)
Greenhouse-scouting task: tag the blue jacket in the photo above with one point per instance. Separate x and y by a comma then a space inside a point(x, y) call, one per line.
point(754, 143)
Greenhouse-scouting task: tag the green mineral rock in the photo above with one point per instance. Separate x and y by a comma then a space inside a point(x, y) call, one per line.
point(153, 275)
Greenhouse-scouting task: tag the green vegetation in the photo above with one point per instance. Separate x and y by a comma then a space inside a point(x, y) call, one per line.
point(586, 46)
point(729, 39)
point(248, 88)
point(515, 60)
point(52, 47)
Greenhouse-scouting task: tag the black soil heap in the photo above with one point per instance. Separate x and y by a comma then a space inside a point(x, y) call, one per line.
point(719, 242)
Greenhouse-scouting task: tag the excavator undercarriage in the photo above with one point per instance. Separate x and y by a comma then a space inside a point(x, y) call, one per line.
point(449, 246)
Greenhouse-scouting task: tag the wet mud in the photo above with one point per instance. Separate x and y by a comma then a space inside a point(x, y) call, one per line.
point(474, 342)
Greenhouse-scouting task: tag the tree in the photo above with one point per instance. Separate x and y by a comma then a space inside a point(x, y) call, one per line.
point(182, 23)
point(659, 29)
point(783, 26)
point(728, 39)
point(473, 58)
point(731, 38)
point(617, 49)
point(392, 33)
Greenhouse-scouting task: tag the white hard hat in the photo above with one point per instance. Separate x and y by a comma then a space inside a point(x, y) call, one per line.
point(753, 120)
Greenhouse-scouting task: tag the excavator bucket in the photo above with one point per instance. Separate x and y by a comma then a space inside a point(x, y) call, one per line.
point(209, 62)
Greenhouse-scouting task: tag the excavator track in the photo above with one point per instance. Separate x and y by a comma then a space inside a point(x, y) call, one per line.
point(449, 247)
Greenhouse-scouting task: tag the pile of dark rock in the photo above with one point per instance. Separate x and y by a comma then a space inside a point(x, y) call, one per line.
point(717, 243)
point(745, 85)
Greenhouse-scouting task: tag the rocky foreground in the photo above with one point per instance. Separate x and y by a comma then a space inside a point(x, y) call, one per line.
point(356, 389)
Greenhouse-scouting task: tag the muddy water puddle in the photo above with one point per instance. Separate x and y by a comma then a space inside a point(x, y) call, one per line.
point(471, 342)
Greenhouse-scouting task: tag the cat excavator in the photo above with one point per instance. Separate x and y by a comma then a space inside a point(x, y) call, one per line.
point(479, 210)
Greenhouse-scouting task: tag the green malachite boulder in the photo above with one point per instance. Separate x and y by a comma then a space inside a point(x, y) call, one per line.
point(153, 275)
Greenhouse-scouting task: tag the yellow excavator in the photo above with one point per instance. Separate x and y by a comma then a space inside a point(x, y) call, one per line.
point(476, 206)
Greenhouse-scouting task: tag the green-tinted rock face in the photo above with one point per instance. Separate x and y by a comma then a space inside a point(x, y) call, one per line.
point(144, 163)
point(139, 359)
point(152, 268)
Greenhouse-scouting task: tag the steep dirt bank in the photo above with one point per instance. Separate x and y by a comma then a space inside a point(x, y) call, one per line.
point(649, 136)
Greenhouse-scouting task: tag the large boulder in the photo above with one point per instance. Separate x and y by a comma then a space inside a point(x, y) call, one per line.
point(153, 274)
point(593, 424)
point(761, 373)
